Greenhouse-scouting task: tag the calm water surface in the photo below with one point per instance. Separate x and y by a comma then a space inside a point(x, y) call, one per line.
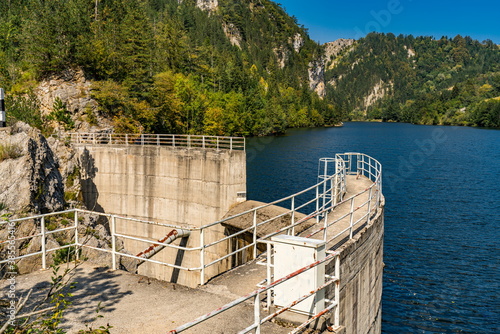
point(442, 190)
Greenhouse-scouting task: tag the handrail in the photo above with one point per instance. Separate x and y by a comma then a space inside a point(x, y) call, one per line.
point(256, 295)
point(172, 140)
point(347, 164)
point(347, 158)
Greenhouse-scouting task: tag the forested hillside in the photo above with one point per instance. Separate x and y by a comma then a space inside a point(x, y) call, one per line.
point(226, 67)
point(418, 79)
point(231, 67)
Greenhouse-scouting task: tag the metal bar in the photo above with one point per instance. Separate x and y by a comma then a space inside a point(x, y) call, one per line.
point(369, 205)
point(336, 320)
point(113, 242)
point(21, 257)
point(256, 313)
point(202, 256)
point(228, 255)
point(255, 234)
point(269, 273)
point(313, 318)
point(251, 294)
point(292, 304)
point(142, 259)
point(118, 235)
point(350, 220)
point(44, 252)
point(77, 242)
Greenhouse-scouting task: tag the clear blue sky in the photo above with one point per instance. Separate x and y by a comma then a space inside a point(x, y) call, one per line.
point(328, 20)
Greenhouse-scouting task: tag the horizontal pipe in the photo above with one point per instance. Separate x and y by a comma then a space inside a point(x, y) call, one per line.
point(157, 247)
point(151, 241)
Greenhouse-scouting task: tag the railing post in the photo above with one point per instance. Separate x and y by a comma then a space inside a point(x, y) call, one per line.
point(126, 139)
point(293, 215)
point(336, 320)
point(158, 140)
point(110, 139)
point(352, 217)
point(269, 275)
point(325, 226)
point(230, 143)
point(173, 140)
point(317, 204)
point(254, 234)
point(336, 191)
point(142, 139)
point(217, 143)
point(113, 242)
point(203, 141)
point(77, 242)
point(44, 252)
point(256, 312)
point(369, 205)
point(202, 256)
point(189, 141)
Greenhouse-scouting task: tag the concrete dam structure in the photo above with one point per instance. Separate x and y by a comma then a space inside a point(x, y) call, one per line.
point(177, 211)
point(174, 180)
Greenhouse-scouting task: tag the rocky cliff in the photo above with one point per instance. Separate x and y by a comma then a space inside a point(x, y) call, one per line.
point(73, 90)
point(32, 180)
point(41, 175)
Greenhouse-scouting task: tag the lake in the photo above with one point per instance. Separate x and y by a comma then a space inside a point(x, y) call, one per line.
point(442, 218)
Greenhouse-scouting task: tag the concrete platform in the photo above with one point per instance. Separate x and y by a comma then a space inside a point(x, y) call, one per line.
point(137, 304)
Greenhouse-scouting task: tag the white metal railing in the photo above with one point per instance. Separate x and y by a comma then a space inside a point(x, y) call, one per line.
point(325, 196)
point(173, 140)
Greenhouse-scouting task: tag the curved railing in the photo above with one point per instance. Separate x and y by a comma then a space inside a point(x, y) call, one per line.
point(333, 188)
point(325, 196)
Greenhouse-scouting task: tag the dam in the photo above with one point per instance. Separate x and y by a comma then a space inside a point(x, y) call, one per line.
point(177, 211)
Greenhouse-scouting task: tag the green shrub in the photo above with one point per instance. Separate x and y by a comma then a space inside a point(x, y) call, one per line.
point(10, 151)
point(61, 114)
point(65, 255)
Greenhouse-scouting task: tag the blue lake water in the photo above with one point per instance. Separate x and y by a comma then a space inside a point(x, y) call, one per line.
point(442, 221)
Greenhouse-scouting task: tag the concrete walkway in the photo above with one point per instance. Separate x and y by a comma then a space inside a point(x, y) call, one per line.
point(136, 304)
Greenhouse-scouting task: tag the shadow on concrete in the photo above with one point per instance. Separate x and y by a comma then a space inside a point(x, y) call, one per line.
point(87, 174)
point(94, 287)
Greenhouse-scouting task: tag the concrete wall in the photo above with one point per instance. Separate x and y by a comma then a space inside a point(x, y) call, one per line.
point(180, 186)
point(361, 269)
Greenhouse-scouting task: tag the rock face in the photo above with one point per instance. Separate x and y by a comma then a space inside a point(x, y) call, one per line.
point(378, 91)
point(31, 182)
point(232, 33)
point(298, 42)
point(333, 49)
point(317, 77)
point(208, 5)
point(74, 91)
point(34, 177)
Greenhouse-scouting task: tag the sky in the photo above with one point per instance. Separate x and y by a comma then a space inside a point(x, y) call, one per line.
point(328, 20)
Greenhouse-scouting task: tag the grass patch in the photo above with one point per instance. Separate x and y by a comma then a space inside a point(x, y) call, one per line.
point(10, 151)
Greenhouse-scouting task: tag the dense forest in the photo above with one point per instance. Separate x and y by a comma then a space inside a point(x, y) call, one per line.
point(233, 67)
point(166, 66)
point(451, 81)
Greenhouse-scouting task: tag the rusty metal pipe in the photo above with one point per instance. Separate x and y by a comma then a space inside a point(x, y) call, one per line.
point(155, 248)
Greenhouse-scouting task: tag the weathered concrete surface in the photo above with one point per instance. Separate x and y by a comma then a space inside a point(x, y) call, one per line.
point(136, 304)
point(361, 265)
point(181, 186)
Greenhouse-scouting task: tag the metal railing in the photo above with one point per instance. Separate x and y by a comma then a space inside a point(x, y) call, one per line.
point(325, 196)
point(172, 140)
